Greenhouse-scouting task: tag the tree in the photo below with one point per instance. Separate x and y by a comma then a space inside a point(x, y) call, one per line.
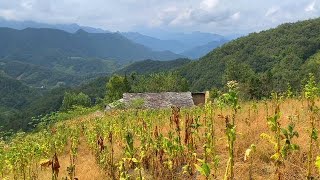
point(72, 99)
point(116, 86)
point(160, 82)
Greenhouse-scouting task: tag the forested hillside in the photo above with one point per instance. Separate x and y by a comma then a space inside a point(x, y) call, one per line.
point(262, 62)
point(19, 103)
point(151, 66)
point(50, 58)
point(14, 97)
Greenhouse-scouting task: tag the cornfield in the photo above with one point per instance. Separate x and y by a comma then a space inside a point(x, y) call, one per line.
point(223, 139)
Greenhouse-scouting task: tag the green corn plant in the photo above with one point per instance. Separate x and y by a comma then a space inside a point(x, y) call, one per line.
point(138, 162)
point(203, 168)
point(169, 147)
point(123, 174)
point(231, 134)
point(274, 125)
point(288, 94)
point(111, 141)
point(188, 169)
point(211, 137)
point(231, 99)
point(289, 133)
point(173, 148)
point(196, 126)
point(129, 149)
point(73, 152)
point(281, 139)
point(310, 93)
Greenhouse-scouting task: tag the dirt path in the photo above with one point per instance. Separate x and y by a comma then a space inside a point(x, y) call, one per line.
point(86, 166)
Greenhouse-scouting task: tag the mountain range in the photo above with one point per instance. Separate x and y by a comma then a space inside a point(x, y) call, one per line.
point(273, 60)
point(71, 28)
point(162, 41)
point(49, 57)
point(202, 50)
point(192, 45)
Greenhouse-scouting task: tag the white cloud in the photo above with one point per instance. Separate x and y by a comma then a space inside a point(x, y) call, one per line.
point(208, 4)
point(8, 14)
point(239, 16)
point(272, 11)
point(236, 16)
point(311, 7)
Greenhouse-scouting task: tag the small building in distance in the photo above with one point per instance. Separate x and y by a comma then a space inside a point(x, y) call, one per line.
point(200, 98)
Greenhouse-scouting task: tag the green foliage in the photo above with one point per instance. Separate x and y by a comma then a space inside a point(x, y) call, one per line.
point(129, 150)
point(261, 62)
point(116, 86)
point(282, 137)
point(204, 168)
point(311, 91)
point(151, 66)
point(19, 103)
point(72, 99)
point(160, 82)
point(137, 103)
point(214, 94)
point(289, 146)
point(231, 97)
point(289, 93)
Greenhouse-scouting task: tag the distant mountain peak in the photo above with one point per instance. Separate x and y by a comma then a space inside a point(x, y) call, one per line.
point(81, 31)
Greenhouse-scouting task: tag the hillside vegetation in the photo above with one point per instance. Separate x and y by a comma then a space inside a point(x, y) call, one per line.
point(14, 97)
point(20, 104)
point(262, 62)
point(51, 58)
point(225, 139)
point(151, 66)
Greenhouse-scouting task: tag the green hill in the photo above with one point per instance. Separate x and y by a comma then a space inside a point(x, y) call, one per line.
point(261, 62)
point(151, 66)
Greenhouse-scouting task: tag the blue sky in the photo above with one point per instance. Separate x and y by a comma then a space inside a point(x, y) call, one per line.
point(216, 16)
